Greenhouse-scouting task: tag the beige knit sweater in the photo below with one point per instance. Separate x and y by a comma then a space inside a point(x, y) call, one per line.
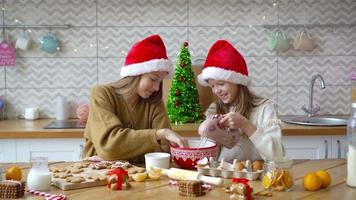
point(264, 144)
point(114, 131)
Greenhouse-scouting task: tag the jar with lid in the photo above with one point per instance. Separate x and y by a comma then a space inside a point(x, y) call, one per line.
point(351, 151)
point(39, 177)
point(278, 174)
point(353, 87)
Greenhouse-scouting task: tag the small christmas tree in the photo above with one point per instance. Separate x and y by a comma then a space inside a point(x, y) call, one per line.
point(183, 98)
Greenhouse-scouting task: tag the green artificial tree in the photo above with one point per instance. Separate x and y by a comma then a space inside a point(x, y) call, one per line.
point(183, 98)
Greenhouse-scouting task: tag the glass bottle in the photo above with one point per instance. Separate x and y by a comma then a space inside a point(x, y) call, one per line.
point(351, 154)
point(39, 177)
point(353, 87)
point(278, 174)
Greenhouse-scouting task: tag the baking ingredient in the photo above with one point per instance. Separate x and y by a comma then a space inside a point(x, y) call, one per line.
point(13, 173)
point(324, 177)
point(311, 182)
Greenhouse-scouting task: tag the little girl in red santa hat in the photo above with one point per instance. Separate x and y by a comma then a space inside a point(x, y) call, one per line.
point(128, 118)
point(225, 72)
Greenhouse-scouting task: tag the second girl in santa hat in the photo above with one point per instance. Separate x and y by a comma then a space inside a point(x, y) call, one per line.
point(225, 71)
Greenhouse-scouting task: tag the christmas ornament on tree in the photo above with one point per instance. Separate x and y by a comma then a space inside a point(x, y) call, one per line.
point(183, 98)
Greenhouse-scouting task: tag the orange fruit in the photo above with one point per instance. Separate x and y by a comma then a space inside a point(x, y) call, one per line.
point(311, 182)
point(324, 177)
point(13, 173)
point(266, 181)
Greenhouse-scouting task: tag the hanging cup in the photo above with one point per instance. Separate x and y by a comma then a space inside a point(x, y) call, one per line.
point(23, 41)
point(304, 42)
point(279, 42)
point(50, 43)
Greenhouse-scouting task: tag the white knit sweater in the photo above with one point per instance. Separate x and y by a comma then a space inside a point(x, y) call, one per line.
point(264, 144)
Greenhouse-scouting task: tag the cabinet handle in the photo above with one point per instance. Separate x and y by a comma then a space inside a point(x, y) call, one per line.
point(326, 149)
point(338, 149)
point(80, 151)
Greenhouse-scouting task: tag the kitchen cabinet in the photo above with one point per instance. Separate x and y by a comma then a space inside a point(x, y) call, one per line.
point(339, 146)
point(56, 149)
point(315, 147)
point(7, 150)
point(307, 147)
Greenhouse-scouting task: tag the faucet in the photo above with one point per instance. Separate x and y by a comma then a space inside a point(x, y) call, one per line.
point(311, 110)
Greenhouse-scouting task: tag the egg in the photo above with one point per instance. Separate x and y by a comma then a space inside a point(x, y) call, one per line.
point(239, 166)
point(257, 165)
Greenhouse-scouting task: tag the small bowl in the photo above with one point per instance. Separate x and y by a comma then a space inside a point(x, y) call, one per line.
point(187, 157)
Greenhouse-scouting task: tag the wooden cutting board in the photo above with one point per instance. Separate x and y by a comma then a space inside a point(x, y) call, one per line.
point(90, 177)
point(87, 175)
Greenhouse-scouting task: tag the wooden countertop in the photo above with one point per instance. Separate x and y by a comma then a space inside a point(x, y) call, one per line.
point(34, 129)
point(161, 189)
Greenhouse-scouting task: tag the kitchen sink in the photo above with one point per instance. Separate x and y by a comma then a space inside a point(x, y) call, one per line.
point(316, 120)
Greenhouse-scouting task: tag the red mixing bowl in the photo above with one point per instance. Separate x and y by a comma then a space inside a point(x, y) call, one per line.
point(187, 157)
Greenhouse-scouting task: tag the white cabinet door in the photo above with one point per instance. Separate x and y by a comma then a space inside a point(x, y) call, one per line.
point(339, 146)
point(58, 149)
point(7, 150)
point(307, 147)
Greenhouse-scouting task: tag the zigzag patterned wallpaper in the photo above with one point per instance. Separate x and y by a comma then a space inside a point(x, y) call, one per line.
point(103, 30)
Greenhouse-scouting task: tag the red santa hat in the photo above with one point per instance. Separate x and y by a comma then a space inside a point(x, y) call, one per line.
point(224, 62)
point(147, 55)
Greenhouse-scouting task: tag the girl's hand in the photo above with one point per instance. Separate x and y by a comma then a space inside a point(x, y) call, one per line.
point(233, 120)
point(172, 137)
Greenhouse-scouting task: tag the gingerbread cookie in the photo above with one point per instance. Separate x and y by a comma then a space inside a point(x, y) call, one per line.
point(61, 175)
point(97, 177)
point(75, 179)
point(56, 169)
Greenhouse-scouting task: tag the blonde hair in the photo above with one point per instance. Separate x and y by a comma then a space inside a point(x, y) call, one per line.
point(246, 101)
point(127, 86)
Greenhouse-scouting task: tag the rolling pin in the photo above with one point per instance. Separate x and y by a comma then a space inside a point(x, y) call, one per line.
point(187, 175)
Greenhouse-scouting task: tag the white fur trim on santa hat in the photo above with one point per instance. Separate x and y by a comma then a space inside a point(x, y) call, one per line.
point(147, 67)
point(222, 74)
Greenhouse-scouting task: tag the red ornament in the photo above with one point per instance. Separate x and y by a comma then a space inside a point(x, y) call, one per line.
point(180, 78)
point(177, 93)
point(177, 103)
point(185, 44)
point(182, 65)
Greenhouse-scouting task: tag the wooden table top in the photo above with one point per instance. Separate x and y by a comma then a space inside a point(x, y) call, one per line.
point(161, 189)
point(34, 129)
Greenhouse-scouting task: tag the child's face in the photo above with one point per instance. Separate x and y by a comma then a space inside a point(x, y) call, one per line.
point(225, 91)
point(149, 83)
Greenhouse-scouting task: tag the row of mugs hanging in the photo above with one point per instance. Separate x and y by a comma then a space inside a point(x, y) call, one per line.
point(48, 42)
point(302, 42)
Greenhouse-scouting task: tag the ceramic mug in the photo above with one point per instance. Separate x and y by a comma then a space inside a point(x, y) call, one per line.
point(50, 43)
point(31, 113)
point(279, 42)
point(157, 159)
point(304, 42)
point(23, 41)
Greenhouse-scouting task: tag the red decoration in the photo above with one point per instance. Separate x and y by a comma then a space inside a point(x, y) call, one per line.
point(244, 182)
point(176, 103)
point(177, 93)
point(118, 179)
point(181, 78)
point(182, 65)
point(185, 44)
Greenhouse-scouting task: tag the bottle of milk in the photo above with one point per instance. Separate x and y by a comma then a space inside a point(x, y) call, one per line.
point(351, 155)
point(39, 177)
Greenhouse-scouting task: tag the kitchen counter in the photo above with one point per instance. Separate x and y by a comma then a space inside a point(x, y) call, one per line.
point(161, 189)
point(34, 129)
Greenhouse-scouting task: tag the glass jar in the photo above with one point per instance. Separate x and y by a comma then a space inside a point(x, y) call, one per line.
point(39, 177)
point(353, 87)
point(278, 174)
point(351, 152)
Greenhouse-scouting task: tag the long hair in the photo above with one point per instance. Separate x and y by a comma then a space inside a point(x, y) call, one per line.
point(128, 86)
point(246, 101)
